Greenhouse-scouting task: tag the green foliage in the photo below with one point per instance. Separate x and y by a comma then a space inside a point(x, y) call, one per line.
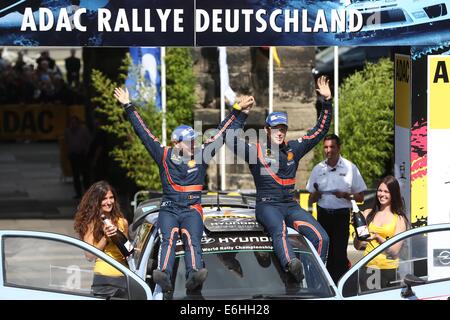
point(366, 120)
point(130, 153)
point(180, 87)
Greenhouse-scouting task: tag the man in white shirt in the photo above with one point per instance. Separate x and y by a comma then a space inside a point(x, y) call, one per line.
point(333, 183)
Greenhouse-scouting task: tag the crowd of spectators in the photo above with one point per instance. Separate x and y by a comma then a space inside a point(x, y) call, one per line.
point(39, 82)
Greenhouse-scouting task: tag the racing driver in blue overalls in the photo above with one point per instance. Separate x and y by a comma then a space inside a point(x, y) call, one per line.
point(182, 180)
point(273, 166)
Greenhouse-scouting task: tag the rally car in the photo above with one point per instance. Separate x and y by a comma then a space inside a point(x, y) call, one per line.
point(238, 254)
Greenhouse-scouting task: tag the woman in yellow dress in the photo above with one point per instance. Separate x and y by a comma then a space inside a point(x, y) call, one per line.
point(386, 219)
point(100, 199)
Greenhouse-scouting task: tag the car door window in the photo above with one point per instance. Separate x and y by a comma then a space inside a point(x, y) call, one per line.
point(57, 266)
point(141, 240)
point(425, 255)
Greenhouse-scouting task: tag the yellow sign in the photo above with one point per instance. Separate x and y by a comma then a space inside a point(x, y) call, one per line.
point(438, 140)
point(35, 122)
point(402, 91)
point(439, 92)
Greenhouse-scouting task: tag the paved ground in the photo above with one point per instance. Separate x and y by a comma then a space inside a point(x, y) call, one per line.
point(33, 193)
point(31, 184)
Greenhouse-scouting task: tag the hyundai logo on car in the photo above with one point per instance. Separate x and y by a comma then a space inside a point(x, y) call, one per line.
point(207, 240)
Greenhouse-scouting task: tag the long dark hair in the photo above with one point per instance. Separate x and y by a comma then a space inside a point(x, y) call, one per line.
point(397, 205)
point(90, 209)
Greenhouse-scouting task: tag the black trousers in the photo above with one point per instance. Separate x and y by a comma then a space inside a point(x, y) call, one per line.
point(80, 172)
point(109, 287)
point(336, 224)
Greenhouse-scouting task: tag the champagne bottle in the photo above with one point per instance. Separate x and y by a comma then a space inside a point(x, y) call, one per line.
point(359, 223)
point(119, 239)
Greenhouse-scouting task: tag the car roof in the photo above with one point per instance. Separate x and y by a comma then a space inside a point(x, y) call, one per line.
point(208, 201)
point(234, 214)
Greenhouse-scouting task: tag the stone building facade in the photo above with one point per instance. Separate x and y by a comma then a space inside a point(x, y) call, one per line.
point(294, 93)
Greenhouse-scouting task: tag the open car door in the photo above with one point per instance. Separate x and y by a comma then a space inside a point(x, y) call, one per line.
point(422, 268)
point(42, 265)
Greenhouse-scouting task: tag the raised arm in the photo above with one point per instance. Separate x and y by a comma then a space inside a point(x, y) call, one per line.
point(304, 144)
point(235, 120)
point(150, 142)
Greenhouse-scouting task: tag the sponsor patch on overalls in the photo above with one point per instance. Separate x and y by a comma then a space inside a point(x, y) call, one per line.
point(176, 158)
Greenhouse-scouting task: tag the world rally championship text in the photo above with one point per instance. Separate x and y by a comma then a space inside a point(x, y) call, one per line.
point(172, 20)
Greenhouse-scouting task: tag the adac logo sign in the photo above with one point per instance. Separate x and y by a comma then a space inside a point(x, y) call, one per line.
point(402, 91)
point(402, 69)
point(441, 257)
point(30, 120)
point(35, 122)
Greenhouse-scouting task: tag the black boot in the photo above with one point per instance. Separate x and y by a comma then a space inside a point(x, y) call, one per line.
point(196, 278)
point(162, 278)
point(296, 269)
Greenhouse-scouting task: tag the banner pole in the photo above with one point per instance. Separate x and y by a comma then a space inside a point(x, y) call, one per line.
point(222, 58)
point(163, 95)
point(336, 90)
point(270, 80)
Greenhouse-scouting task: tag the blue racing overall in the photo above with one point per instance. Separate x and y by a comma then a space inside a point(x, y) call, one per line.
point(274, 175)
point(182, 183)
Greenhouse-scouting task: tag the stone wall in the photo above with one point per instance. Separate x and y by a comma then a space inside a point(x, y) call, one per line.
point(294, 93)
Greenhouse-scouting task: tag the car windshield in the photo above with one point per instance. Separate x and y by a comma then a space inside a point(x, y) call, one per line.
point(253, 274)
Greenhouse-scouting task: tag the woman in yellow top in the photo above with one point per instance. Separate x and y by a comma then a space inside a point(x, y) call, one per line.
point(386, 219)
point(100, 199)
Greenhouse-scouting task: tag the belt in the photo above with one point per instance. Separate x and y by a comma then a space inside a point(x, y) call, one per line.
point(334, 211)
point(167, 203)
point(170, 203)
point(275, 199)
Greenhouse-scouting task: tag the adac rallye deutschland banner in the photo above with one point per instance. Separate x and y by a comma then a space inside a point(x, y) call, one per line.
point(97, 22)
point(223, 22)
